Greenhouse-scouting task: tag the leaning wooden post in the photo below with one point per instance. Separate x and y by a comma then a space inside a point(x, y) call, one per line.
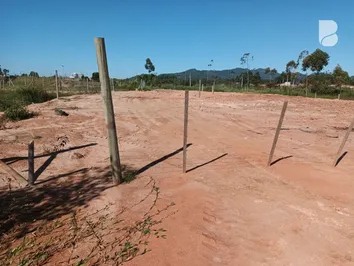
point(31, 163)
point(277, 132)
point(343, 143)
point(56, 83)
point(185, 134)
point(108, 110)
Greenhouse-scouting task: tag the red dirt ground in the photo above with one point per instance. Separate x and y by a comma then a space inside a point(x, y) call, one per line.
point(231, 211)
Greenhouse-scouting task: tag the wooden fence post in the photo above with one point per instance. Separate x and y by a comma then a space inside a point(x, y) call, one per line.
point(56, 83)
point(200, 86)
point(31, 176)
point(277, 132)
point(109, 110)
point(185, 133)
point(343, 143)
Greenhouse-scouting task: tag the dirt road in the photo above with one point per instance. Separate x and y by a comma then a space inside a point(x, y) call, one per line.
point(229, 209)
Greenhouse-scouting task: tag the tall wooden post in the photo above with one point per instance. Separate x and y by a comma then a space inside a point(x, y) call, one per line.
point(87, 85)
point(31, 163)
point(108, 110)
point(277, 132)
point(343, 143)
point(185, 133)
point(56, 83)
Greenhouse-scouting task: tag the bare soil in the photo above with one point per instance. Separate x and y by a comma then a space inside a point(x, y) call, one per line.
point(229, 209)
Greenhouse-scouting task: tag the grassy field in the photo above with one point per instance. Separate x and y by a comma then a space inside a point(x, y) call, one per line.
point(22, 91)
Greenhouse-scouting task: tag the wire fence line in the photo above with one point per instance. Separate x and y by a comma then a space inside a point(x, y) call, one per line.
point(66, 85)
point(90, 86)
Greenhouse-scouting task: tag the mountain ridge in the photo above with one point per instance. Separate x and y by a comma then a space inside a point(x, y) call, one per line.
point(221, 74)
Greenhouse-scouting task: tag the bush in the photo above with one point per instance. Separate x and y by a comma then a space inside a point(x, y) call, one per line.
point(17, 112)
point(34, 95)
point(4, 104)
point(24, 97)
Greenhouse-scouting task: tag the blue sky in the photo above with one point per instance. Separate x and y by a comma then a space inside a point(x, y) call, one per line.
point(43, 35)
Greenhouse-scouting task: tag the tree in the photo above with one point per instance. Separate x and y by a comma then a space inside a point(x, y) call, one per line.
point(340, 77)
point(267, 71)
point(209, 65)
point(315, 61)
point(290, 69)
point(244, 60)
point(282, 77)
point(300, 60)
point(5, 72)
point(255, 78)
point(271, 73)
point(302, 56)
point(95, 76)
point(33, 74)
point(149, 66)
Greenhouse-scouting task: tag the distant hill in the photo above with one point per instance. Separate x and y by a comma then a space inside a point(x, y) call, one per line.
point(221, 74)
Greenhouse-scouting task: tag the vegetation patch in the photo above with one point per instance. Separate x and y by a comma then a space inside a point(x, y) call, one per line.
point(17, 112)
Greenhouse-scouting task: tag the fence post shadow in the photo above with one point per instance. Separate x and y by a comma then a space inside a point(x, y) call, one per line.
point(148, 166)
point(280, 159)
point(340, 158)
point(208, 162)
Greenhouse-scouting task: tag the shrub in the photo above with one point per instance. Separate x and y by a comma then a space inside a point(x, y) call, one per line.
point(4, 104)
point(24, 97)
point(17, 112)
point(34, 95)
